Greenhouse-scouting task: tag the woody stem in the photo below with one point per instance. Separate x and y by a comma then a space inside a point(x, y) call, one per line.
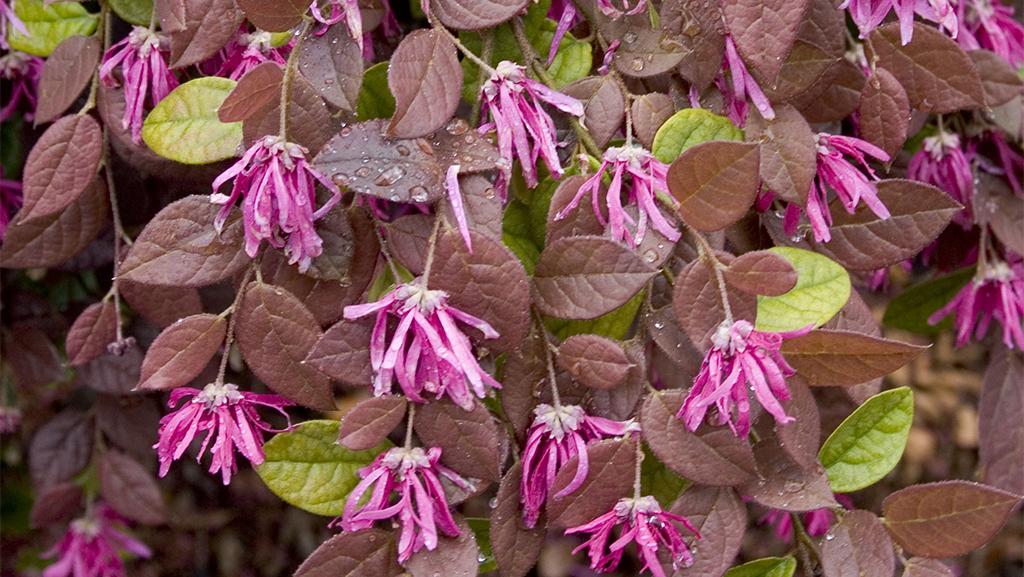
point(707, 254)
point(387, 253)
point(289, 75)
point(550, 360)
point(429, 262)
point(436, 25)
point(638, 469)
point(409, 425)
point(229, 338)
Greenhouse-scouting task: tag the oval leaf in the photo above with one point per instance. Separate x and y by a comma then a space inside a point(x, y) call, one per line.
point(370, 422)
point(61, 448)
point(365, 553)
point(47, 25)
point(275, 15)
point(343, 353)
point(259, 89)
point(181, 352)
point(789, 152)
point(688, 128)
point(594, 361)
point(65, 75)
point(425, 77)
point(1001, 434)
point(715, 183)
point(721, 518)
point(858, 546)
point(767, 567)
point(475, 15)
point(515, 547)
point(764, 32)
point(185, 127)
point(130, 489)
point(761, 273)
point(842, 358)
point(609, 478)
point(91, 332)
point(822, 288)
point(884, 112)
point(61, 166)
point(468, 439)
point(333, 64)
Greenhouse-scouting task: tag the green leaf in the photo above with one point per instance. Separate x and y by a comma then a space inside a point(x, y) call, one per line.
point(482, 531)
point(309, 469)
point(184, 127)
point(375, 98)
point(767, 567)
point(822, 288)
point(137, 12)
point(690, 127)
point(516, 233)
point(48, 26)
point(657, 480)
point(910, 309)
point(614, 325)
point(868, 443)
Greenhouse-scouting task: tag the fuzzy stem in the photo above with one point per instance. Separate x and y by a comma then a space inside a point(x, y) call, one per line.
point(429, 262)
point(549, 349)
point(487, 55)
point(707, 254)
point(436, 25)
point(229, 338)
point(386, 252)
point(409, 425)
point(638, 469)
point(286, 82)
point(807, 546)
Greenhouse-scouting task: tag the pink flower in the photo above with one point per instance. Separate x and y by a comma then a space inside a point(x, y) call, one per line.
point(9, 19)
point(609, 9)
point(878, 279)
point(996, 292)
point(422, 508)
point(838, 174)
point(869, 14)
point(347, 10)
point(427, 353)
point(279, 190)
point(647, 179)
point(93, 547)
point(567, 15)
point(609, 56)
point(249, 50)
point(10, 201)
point(991, 25)
point(141, 57)
point(816, 522)
point(227, 415)
point(523, 127)
point(22, 71)
point(1011, 162)
point(740, 86)
point(451, 186)
point(557, 435)
point(643, 521)
point(740, 358)
point(943, 163)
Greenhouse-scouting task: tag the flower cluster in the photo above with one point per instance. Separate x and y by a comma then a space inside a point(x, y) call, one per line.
point(740, 358)
point(943, 163)
point(23, 72)
point(996, 292)
point(869, 14)
point(816, 522)
point(247, 51)
point(558, 434)
point(992, 25)
point(427, 352)
point(338, 10)
point(739, 86)
point(227, 416)
point(421, 507)
point(93, 547)
point(141, 58)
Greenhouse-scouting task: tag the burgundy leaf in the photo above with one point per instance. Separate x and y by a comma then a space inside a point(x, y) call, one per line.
point(180, 247)
point(595, 361)
point(161, 305)
point(764, 32)
point(368, 423)
point(275, 15)
point(342, 353)
point(721, 518)
point(1001, 432)
point(112, 374)
point(61, 166)
point(61, 448)
point(32, 357)
point(332, 62)
point(584, 277)
point(830, 358)
point(838, 100)
point(469, 440)
point(920, 567)
point(209, 25)
point(457, 143)
point(858, 546)
point(699, 30)
point(788, 152)
point(452, 558)
point(309, 123)
point(580, 221)
point(182, 351)
point(255, 92)
point(761, 273)
point(408, 238)
point(715, 183)
point(66, 73)
point(476, 15)
point(335, 261)
point(604, 106)
point(711, 456)
point(649, 112)
point(275, 332)
point(129, 422)
point(948, 518)
point(367, 553)
point(55, 504)
point(784, 484)
point(998, 206)
point(620, 403)
point(91, 332)
point(884, 112)
point(515, 547)
point(999, 80)
point(610, 478)
point(171, 14)
point(811, 64)
point(425, 77)
point(524, 373)
point(130, 489)
point(643, 51)
point(697, 302)
point(800, 439)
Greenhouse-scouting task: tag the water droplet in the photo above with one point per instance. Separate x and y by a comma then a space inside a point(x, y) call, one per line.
point(650, 255)
point(469, 138)
point(403, 150)
point(493, 502)
point(829, 536)
point(457, 126)
point(390, 176)
point(363, 172)
point(490, 193)
point(629, 37)
point(659, 325)
point(637, 64)
point(418, 193)
point(345, 131)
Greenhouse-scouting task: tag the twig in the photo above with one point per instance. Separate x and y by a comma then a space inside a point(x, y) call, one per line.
point(229, 338)
point(286, 82)
point(429, 262)
point(409, 425)
point(549, 349)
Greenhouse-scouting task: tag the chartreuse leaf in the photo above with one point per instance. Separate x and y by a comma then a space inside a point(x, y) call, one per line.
point(375, 98)
point(822, 288)
point(48, 26)
point(911, 308)
point(614, 325)
point(516, 234)
point(309, 469)
point(184, 126)
point(869, 443)
point(134, 11)
point(659, 481)
point(690, 127)
point(767, 567)
point(482, 531)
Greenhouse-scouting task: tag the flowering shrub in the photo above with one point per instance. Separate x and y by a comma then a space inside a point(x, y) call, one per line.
point(534, 273)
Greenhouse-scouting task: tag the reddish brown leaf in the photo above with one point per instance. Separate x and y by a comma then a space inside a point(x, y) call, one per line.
point(481, 205)
point(61, 448)
point(425, 77)
point(764, 32)
point(130, 422)
point(332, 62)
point(620, 403)
point(161, 305)
point(523, 374)
point(788, 152)
point(580, 221)
point(609, 478)
point(275, 332)
point(884, 112)
point(32, 357)
point(919, 567)
point(784, 484)
point(366, 553)
point(858, 546)
point(715, 183)
point(643, 51)
point(700, 31)
point(948, 518)
point(811, 64)
point(182, 351)
point(468, 439)
point(999, 80)
point(998, 206)
point(453, 557)
point(274, 15)
point(697, 302)
point(471, 15)
point(91, 332)
point(130, 489)
point(171, 14)
point(489, 283)
point(937, 74)
point(800, 439)
point(594, 361)
point(66, 73)
point(649, 112)
point(255, 92)
point(61, 166)
point(457, 143)
point(761, 273)
point(604, 107)
point(112, 374)
point(55, 504)
point(209, 25)
point(368, 423)
point(1001, 432)
point(838, 100)
point(309, 122)
point(711, 456)
point(827, 358)
point(343, 353)
point(515, 547)
point(180, 247)
point(584, 277)
point(721, 518)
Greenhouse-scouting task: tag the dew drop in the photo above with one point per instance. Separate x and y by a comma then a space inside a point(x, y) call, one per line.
point(650, 255)
point(659, 325)
point(493, 502)
point(363, 171)
point(403, 150)
point(457, 126)
point(629, 37)
point(829, 536)
point(345, 131)
point(419, 193)
point(637, 64)
point(390, 176)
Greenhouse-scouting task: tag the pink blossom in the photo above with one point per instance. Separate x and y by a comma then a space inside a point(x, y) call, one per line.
point(567, 15)
point(869, 14)
point(740, 358)
point(247, 51)
point(427, 352)
point(338, 10)
point(93, 547)
point(22, 71)
point(839, 175)
point(451, 186)
point(740, 86)
point(609, 56)
point(641, 520)
point(816, 522)
point(943, 163)
point(992, 25)
point(557, 435)
point(10, 201)
point(878, 279)
point(422, 508)
point(996, 292)
point(1010, 163)
point(646, 180)
point(609, 8)
point(8, 18)
point(523, 127)
point(141, 57)
point(278, 187)
point(227, 415)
